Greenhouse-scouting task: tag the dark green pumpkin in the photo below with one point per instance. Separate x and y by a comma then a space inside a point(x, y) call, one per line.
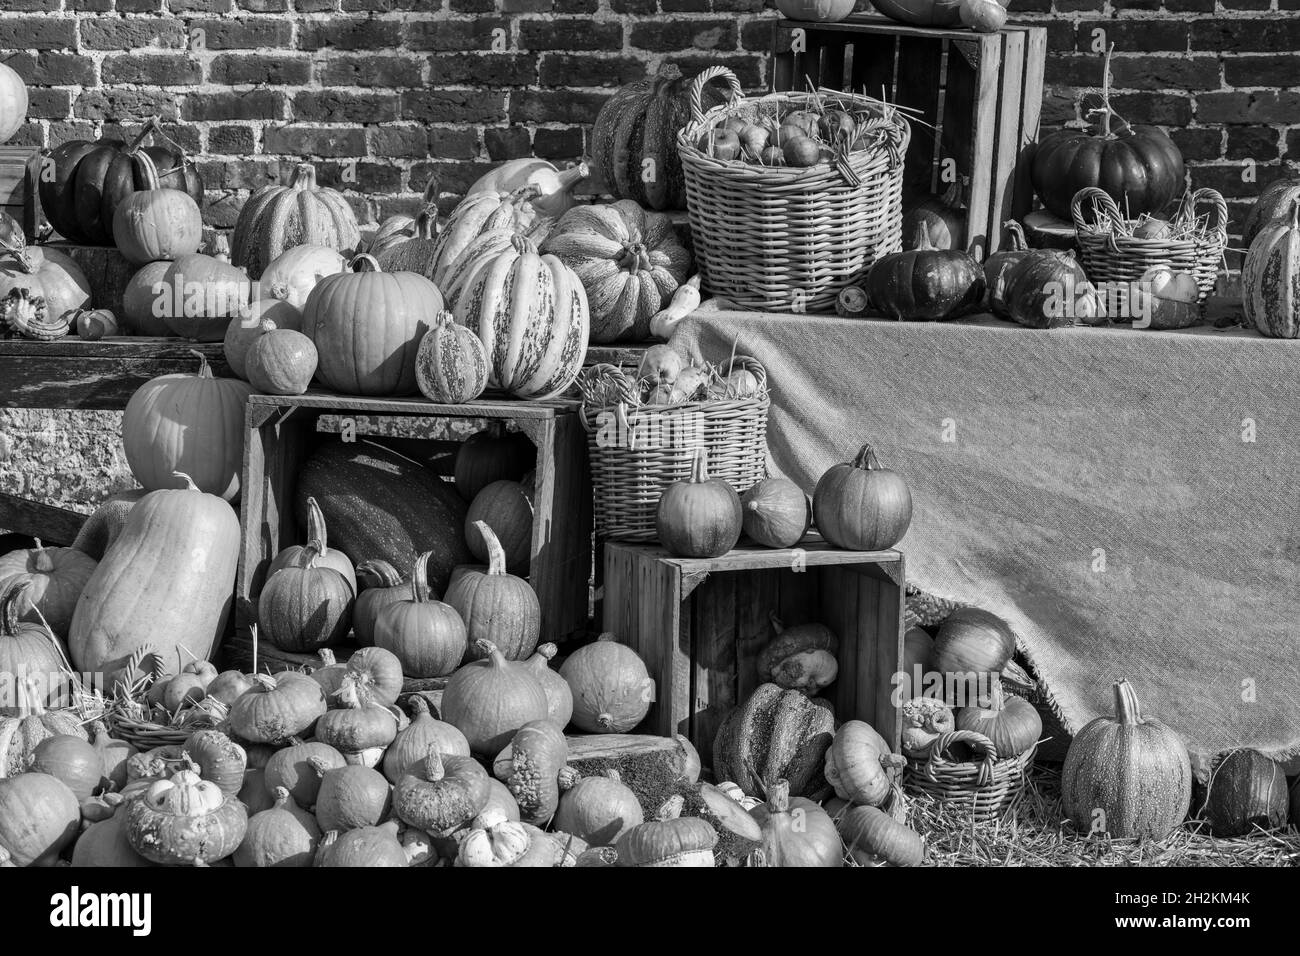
point(1049, 290)
point(998, 267)
point(700, 517)
point(1246, 790)
point(485, 458)
point(1273, 203)
point(925, 283)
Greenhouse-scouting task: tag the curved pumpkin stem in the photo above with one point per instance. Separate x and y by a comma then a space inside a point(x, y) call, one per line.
point(148, 170)
point(1018, 241)
point(205, 370)
point(778, 796)
point(151, 126)
point(494, 656)
point(671, 809)
point(377, 573)
point(420, 579)
point(426, 225)
point(316, 530)
point(364, 262)
point(866, 459)
point(496, 554)
point(431, 190)
point(189, 482)
point(1127, 709)
point(14, 589)
point(304, 177)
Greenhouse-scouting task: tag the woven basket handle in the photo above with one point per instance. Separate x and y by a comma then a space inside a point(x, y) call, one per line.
point(1218, 221)
point(988, 754)
point(696, 89)
point(751, 365)
point(1101, 202)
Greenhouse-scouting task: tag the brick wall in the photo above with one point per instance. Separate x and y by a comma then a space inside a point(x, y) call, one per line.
point(406, 87)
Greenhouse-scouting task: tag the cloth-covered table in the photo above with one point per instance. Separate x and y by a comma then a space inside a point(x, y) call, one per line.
point(1127, 500)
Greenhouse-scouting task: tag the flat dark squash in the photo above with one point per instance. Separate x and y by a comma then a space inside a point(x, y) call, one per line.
point(378, 504)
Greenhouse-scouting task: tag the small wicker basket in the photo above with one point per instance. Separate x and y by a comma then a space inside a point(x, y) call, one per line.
point(1112, 257)
point(788, 239)
point(986, 788)
point(636, 451)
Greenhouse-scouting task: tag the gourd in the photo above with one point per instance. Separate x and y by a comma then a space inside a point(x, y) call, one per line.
point(201, 295)
point(39, 818)
point(228, 686)
point(185, 821)
point(738, 833)
point(426, 635)
point(1010, 722)
point(217, 758)
point(424, 735)
point(295, 272)
point(187, 423)
point(998, 266)
point(796, 831)
point(477, 216)
point(91, 325)
point(414, 252)
point(612, 691)
point(400, 226)
point(972, 647)
point(873, 838)
point(326, 557)
point(39, 287)
point(859, 765)
point(367, 325)
point(281, 361)
point(531, 766)
point(295, 768)
point(924, 719)
point(72, 760)
point(441, 792)
point(507, 508)
point(364, 846)
point(1133, 769)
point(21, 733)
point(155, 223)
point(684, 301)
point(775, 734)
point(670, 839)
point(490, 699)
point(921, 13)
point(559, 696)
point(1246, 791)
point(113, 754)
point(306, 605)
point(145, 301)
point(925, 283)
point(358, 728)
point(166, 583)
point(776, 513)
point(1270, 277)
point(1049, 290)
point(451, 365)
point(496, 605)
point(380, 586)
point(554, 186)
point(1170, 298)
point(1274, 203)
point(861, 505)
point(700, 517)
point(350, 797)
point(26, 649)
point(484, 458)
point(278, 708)
point(104, 844)
point(374, 674)
point(598, 809)
point(276, 218)
point(799, 658)
point(13, 102)
point(283, 836)
point(495, 841)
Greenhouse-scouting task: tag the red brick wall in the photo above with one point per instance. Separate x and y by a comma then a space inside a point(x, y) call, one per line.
point(405, 87)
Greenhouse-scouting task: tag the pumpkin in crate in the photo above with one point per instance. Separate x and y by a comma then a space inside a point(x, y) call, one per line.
point(451, 365)
point(250, 324)
point(775, 734)
point(1274, 203)
point(925, 284)
point(484, 458)
point(153, 222)
point(145, 301)
point(379, 585)
point(426, 635)
point(612, 691)
point(185, 820)
point(39, 818)
point(281, 361)
point(1270, 277)
point(495, 605)
point(367, 325)
point(276, 218)
point(628, 260)
point(39, 287)
point(777, 514)
point(861, 505)
point(326, 557)
point(187, 423)
point(411, 253)
point(27, 647)
point(1012, 723)
point(1246, 791)
point(799, 658)
point(921, 13)
point(796, 831)
point(201, 295)
point(1128, 776)
point(530, 311)
point(1049, 290)
point(167, 583)
point(305, 605)
point(295, 272)
point(507, 508)
point(489, 699)
point(700, 517)
point(13, 102)
point(555, 186)
point(55, 578)
point(512, 213)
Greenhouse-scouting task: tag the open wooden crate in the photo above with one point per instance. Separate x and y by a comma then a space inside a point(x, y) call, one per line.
point(979, 93)
point(699, 625)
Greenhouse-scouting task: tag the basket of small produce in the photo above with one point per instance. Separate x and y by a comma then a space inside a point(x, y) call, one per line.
point(149, 709)
point(644, 428)
point(963, 771)
point(791, 196)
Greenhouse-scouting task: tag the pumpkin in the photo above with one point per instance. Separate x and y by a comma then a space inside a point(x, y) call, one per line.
point(776, 513)
point(276, 709)
point(276, 218)
point(972, 647)
point(628, 260)
point(816, 11)
point(859, 765)
point(281, 361)
point(451, 365)
point(738, 833)
point(285, 835)
point(983, 16)
point(700, 517)
point(113, 754)
point(1246, 791)
point(155, 223)
point(350, 796)
point(1270, 277)
point(425, 734)
point(775, 734)
point(559, 696)
point(71, 759)
point(799, 658)
point(490, 699)
point(555, 187)
point(921, 13)
point(484, 458)
point(166, 583)
point(925, 283)
point(187, 423)
point(531, 766)
point(294, 769)
point(873, 837)
point(1128, 776)
point(40, 287)
point(1049, 290)
point(185, 821)
point(380, 505)
point(94, 324)
point(507, 508)
point(13, 102)
point(295, 272)
point(306, 605)
point(612, 691)
point(374, 673)
point(359, 728)
point(201, 295)
point(670, 839)
point(496, 605)
point(229, 686)
point(105, 844)
point(1274, 203)
point(474, 216)
point(1012, 723)
point(426, 635)
point(861, 505)
point(145, 301)
point(39, 817)
point(597, 809)
point(495, 841)
point(441, 792)
point(26, 649)
point(998, 266)
point(326, 557)
point(364, 846)
point(400, 226)
point(918, 646)
point(253, 794)
point(937, 221)
point(530, 312)
point(796, 831)
point(924, 720)
point(380, 586)
point(413, 253)
point(217, 758)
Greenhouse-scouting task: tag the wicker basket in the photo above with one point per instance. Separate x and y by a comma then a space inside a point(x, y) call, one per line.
point(145, 735)
point(1109, 257)
point(985, 788)
point(636, 451)
point(788, 239)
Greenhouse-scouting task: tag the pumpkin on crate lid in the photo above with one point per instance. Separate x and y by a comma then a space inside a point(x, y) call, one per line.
point(777, 514)
point(40, 287)
point(54, 579)
point(612, 690)
point(281, 361)
point(278, 217)
point(700, 517)
point(862, 505)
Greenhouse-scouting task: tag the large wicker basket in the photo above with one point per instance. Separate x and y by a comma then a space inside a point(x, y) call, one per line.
point(985, 788)
point(636, 451)
point(1111, 256)
point(788, 239)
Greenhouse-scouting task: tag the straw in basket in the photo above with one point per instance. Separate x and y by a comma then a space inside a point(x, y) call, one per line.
point(985, 787)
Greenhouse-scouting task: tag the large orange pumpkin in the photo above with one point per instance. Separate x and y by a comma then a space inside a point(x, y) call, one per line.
point(277, 218)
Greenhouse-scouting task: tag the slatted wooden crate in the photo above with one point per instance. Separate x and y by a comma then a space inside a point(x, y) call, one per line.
point(19, 167)
point(283, 431)
point(980, 95)
point(699, 625)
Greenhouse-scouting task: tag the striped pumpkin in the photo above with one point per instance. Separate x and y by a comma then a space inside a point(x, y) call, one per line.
point(277, 218)
point(489, 244)
point(412, 251)
point(1273, 203)
point(451, 365)
point(629, 262)
point(530, 312)
point(1270, 278)
point(481, 213)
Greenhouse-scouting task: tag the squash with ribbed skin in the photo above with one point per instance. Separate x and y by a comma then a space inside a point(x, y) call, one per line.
point(507, 508)
point(796, 831)
point(306, 605)
point(1274, 203)
point(72, 760)
point(155, 223)
point(38, 818)
point(670, 839)
point(414, 253)
point(1049, 290)
point(23, 732)
point(861, 505)
point(218, 758)
point(185, 821)
point(424, 734)
point(277, 218)
point(1270, 277)
point(925, 283)
point(251, 324)
point(1012, 723)
point(489, 699)
point(775, 734)
point(451, 365)
point(326, 557)
point(496, 605)
point(482, 213)
point(998, 267)
point(26, 648)
point(426, 635)
point(859, 764)
point(1246, 790)
point(699, 517)
point(777, 514)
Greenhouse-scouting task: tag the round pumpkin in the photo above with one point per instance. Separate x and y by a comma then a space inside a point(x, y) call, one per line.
point(489, 699)
point(612, 691)
point(185, 821)
point(281, 361)
point(925, 284)
point(921, 13)
point(72, 760)
point(427, 636)
point(776, 513)
point(413, 253)
point(47, 278)
point(306, 605)
point(796, 831)
point(1270, 277)
point(1049, 290)
point(484, 458)
point(357, 727)
point(188, 423)
point(283, 836)
point(30, 724)
point(495, 605)
point(293, 769)
point(250, 324)
point(295, 272)
point(276, 218)
point(362, 847)
point(1012, 723)
point(145, 301)
point(39, 817)
point(598, 809)
point(441, 792)
point(202, 295)
point(13, 102)
point(861, 505)
point(1274, 203)
point(423, 735)
point(55, 578)
point(155, 223)
point(936, 221)
point(559, 696)
point(451, 365)
point(700, 517)
point(507, 508)
point(217, 758)
point(628, 260)
point(278, 708)
point(998, 267)
point(972, 647)
point(350, 797)
point(380, 585)
point(1246, 791)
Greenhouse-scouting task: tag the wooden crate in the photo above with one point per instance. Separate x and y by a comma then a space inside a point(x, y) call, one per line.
point(283, 430)
point(980, 95)
point(699, 624)
point(106, 269)
point(19, 167)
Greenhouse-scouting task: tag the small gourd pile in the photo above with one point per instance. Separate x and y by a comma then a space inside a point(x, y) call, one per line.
point(781, 134)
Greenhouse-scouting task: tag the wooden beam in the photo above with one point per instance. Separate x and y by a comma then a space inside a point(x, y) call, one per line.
point(51, 524)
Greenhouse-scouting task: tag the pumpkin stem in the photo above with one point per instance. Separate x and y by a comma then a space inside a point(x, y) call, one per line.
point(433, 767)
point(420, 579)
point(1127, 709)
point(431, 189)
point(327, 658)
point(377, 573)
point(1105, 91)
point(318, 764)
point(606, 723)
point(443, 319)
point(923, 241)
point(280, 797)
point(205, 370)
point(304, 177)
point(700, 466)
point(494, 654)
point(523, 245)
point(778, 796)
point(150, 127)
point(568, 778)
point(419, 707)
point(671, 809)
point(546, 651)
point(496, 553)
point(14, 589)
point(316, 530)
point(866, 459)
point(189, 482)
point(364, 262)
point(778, 626)
point(1018, 241)
point(148, 171)
point(569, 178)
point(426, 224)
